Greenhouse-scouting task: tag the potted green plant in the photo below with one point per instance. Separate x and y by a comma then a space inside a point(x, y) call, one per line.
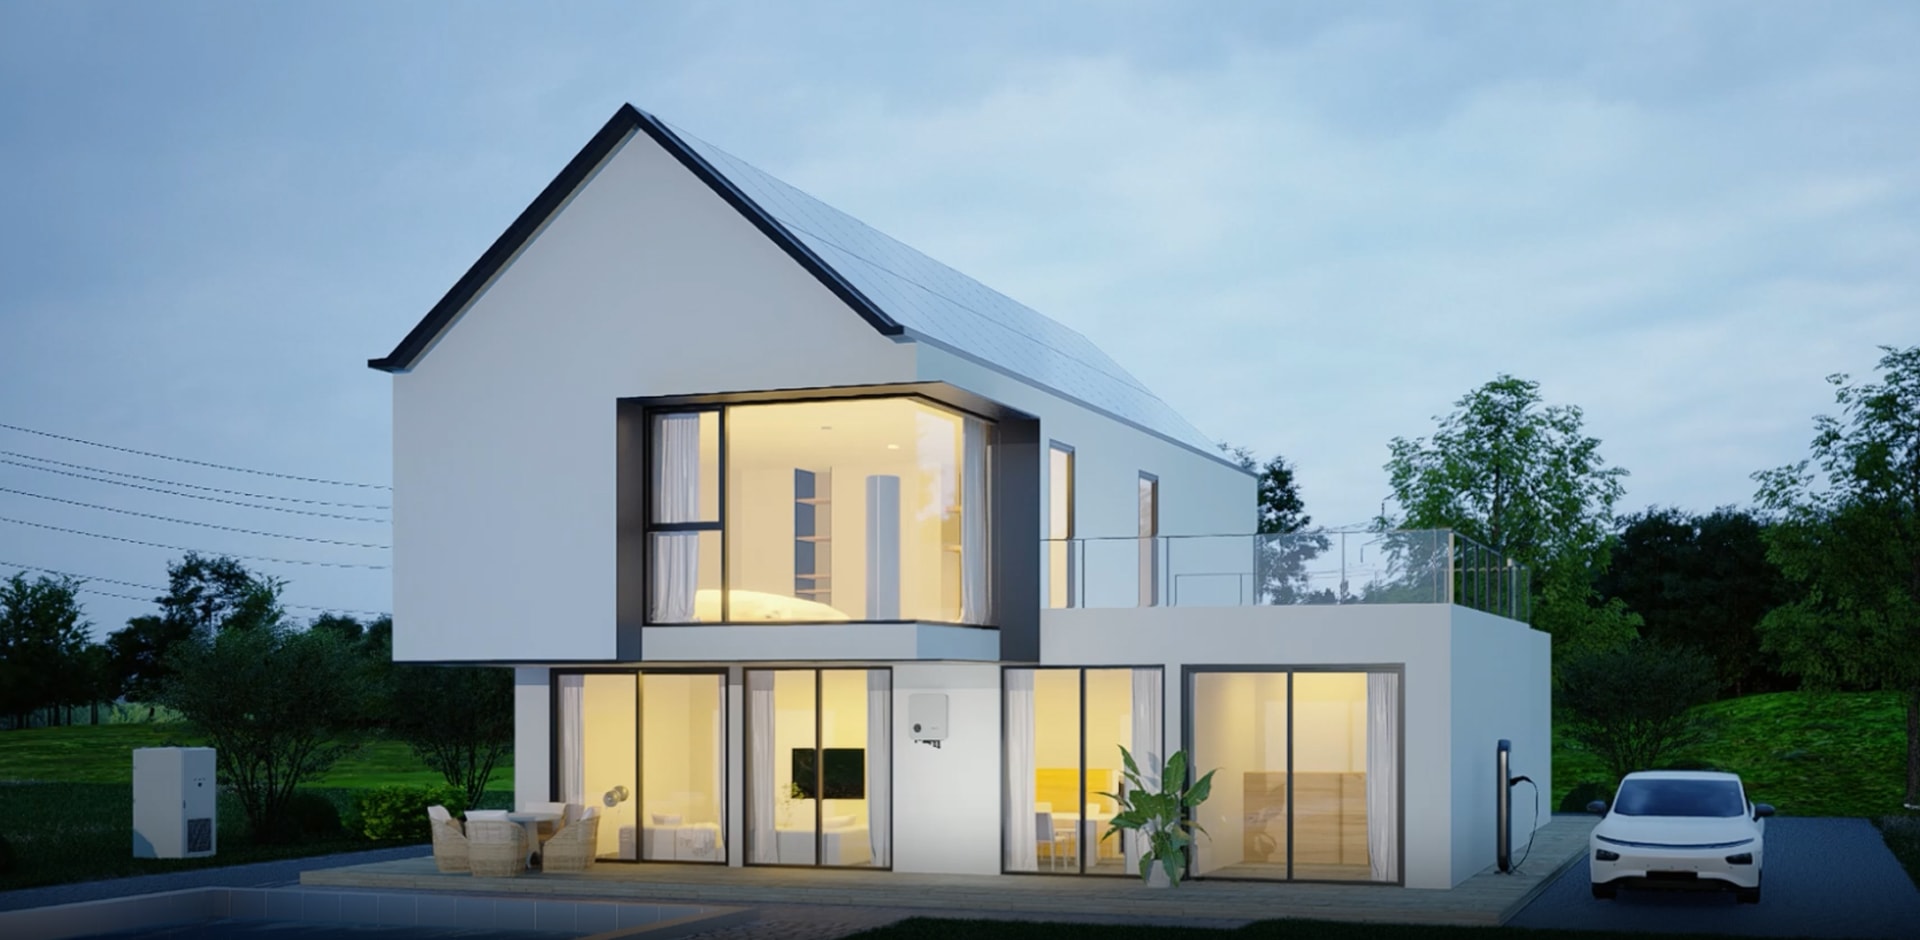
point(1160, 816)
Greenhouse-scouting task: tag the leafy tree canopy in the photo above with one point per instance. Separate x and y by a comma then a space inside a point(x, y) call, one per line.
point(43, 638)
point(1846, 532)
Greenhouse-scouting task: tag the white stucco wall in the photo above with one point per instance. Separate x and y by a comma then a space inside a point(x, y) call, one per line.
point(946, 800)
point(1502, 688)
point(646, 283)
point(532, 736)
point(819, 642)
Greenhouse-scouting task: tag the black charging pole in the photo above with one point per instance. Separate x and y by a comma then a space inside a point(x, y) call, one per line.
point(1502, 806)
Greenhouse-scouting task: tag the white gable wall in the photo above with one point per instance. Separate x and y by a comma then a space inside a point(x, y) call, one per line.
point(646, 283)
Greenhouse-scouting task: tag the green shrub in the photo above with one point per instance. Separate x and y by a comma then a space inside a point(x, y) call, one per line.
point(1583, 793)
point(310, 816)
point(6, 856)
point(395, 813)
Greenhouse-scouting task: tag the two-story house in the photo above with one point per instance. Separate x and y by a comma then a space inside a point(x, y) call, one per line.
point(806, 549)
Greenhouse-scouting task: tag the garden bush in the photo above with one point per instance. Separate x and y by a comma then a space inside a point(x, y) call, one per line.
point(310, 816)
point(1583, 793)
point(6, 856)
point(396, 813)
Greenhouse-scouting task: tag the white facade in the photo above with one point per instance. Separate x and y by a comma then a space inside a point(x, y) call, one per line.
point(646, 283)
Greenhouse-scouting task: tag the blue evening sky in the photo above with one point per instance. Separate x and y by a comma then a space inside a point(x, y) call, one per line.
point(1309, 227)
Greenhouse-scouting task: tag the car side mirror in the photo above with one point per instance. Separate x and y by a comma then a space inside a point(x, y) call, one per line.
point(1762, 810)
point(1597, 807)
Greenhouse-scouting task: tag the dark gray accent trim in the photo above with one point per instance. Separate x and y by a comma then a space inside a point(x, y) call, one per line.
point(820, 769)
point(1015, 531)
point(941, 393)
point(630, 473)
point(624, 122)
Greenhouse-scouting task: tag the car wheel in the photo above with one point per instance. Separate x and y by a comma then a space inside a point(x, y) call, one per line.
point(1747, 895)
point(1607, 892)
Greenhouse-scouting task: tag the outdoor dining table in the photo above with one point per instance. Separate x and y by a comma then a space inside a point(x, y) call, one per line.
point(531, 822)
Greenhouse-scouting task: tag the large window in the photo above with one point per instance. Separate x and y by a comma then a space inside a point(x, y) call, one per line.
point(869, 509)
point(1059, 525)
point(820, 767)
point(648, 752)
point(1064, 731)
point(1307, 785)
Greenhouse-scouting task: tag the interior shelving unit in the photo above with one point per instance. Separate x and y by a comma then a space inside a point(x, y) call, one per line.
point(813, 535)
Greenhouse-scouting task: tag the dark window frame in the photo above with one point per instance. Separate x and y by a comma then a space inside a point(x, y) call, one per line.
point(638, 799)
point(819, 770)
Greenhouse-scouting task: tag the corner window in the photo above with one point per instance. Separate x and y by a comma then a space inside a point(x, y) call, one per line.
point(869, 509)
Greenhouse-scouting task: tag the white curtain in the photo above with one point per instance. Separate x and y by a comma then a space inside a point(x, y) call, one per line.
point(879, 765)
point(1147, 711)
point(676, 498)
point(1023, 853)
point(573, 751)
point(973, 522)
point(1383, 774)
point(760, 836)
point(717, 791)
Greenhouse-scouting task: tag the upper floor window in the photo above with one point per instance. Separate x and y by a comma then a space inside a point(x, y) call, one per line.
point(1060, 553)
point(864, 509)
point(1149, 540)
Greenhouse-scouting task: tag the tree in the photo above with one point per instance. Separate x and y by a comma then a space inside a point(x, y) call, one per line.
point(139, 653)
point(1282, 514)
point(211, 594)
point(457, 719)
point(1520, 478)
point(279, 706)
point(1702, 581)
point(1847, 536)
point(43, 635)
point(1631, 705)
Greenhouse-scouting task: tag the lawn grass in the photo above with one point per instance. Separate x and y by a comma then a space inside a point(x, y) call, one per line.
point(1807, 753)
point(69, 802)
point(926, 928)
point(104, 754)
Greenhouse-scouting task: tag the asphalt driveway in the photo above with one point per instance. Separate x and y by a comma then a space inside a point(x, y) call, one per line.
point(1823, 878)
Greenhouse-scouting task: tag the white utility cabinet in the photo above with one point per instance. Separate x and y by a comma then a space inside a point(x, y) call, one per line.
point(173, 802)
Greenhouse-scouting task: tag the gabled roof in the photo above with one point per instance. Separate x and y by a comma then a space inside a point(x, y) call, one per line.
point(898, 290)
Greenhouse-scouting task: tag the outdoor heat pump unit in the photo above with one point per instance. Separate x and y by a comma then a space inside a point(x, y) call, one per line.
point(173, 802)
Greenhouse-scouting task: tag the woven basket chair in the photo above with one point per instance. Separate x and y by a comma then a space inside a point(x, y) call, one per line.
point(573, 847)
point(449, 842)
point(496, 848)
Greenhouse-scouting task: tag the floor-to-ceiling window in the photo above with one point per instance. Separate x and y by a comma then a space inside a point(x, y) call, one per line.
point(1065, 728)
point(647, 751)
point(820, 767)
point(1307, 773)
point(862, 509)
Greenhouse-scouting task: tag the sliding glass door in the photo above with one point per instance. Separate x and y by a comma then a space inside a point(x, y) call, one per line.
point(647, 751)
point(1064, 731)
point(820, 767)
point(1307, 785)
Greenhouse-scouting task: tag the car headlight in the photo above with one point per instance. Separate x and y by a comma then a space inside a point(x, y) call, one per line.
point(1603, 855)
point(1744, 858)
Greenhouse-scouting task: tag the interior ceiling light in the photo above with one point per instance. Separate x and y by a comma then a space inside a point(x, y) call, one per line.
point(893, 447)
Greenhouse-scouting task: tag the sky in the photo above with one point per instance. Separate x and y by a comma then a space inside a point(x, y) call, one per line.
point(1309, 227)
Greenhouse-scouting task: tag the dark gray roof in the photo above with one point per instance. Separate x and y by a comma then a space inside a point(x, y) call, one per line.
point(896, 288)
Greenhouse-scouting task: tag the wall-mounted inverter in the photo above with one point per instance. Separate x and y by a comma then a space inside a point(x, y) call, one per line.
point(173, 802)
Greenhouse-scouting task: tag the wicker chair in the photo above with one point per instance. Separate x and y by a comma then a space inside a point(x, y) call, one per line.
point(496, 848)
point(574, 846)
point(449, 843)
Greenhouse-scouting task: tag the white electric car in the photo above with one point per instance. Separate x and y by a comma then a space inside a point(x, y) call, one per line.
point(1679, 829)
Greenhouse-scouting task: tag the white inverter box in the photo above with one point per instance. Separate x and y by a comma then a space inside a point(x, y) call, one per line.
point(173, 802)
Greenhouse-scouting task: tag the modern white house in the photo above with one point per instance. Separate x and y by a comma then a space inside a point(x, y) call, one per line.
point(806, 549)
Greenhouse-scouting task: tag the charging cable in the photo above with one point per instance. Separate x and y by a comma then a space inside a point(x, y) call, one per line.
point(1532, 827)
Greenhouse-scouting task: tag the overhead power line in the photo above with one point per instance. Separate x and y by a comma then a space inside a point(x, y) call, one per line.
point(211, 499)
point(206, 525)
point(152, 587)
point(198, 551)
point(190, 486)
point(197, 463)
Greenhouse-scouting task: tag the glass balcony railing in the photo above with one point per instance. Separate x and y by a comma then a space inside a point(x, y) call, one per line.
point(1425, 566)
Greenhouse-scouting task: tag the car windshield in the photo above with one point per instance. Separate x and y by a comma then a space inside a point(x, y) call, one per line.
point(1718, 798)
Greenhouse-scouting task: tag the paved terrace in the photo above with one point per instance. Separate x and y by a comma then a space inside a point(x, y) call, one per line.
point(1488, 898)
